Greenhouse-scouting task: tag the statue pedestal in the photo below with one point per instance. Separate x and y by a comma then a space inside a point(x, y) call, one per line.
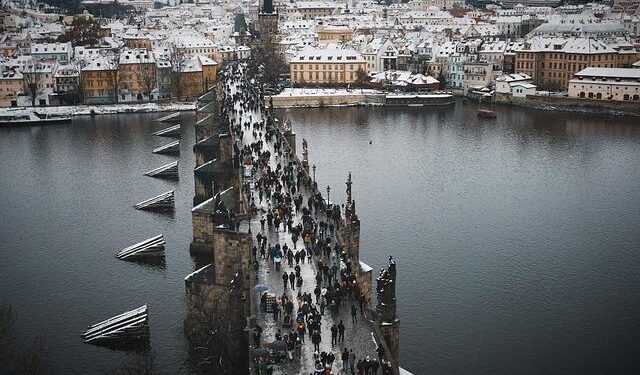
point(290, 137)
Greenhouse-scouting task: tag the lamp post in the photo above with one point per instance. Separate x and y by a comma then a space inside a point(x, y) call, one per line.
point(314, 172)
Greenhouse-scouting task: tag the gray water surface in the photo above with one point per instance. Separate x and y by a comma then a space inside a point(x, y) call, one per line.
point(517, 240)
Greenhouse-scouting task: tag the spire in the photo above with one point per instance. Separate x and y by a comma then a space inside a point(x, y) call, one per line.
point(267, 6)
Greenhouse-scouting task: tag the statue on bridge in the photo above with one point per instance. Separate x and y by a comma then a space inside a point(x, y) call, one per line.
point(386, 292)
point(350, 209)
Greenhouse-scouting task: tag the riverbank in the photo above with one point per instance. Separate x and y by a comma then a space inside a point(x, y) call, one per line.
point(564, 104)
point(86, 110)
point(320, 97)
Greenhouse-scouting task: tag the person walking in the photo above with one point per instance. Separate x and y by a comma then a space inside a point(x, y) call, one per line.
point(334, 334)
point(330, 358)
point(354, 314)
point(352, 361)
point(285, 278)
point(341, 331)
point(345, 361)
point(381, 353)
point(292, 279)
point(374, 366)
point(316, 339)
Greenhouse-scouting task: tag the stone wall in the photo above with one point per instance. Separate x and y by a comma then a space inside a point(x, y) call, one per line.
point(560, 103)
point(327, 100)
point(202, 223)
point(349, 237)
point(231, 254)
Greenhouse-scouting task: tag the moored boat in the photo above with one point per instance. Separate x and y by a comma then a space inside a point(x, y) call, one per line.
point(486, 113)
point(412, 99)
point(21, 117)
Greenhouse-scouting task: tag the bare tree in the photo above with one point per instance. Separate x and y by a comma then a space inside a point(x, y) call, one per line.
point(147, 74)
point(114, 74)
point(178, 60)
point(17, 357)
point(32, 79)
point(361, 78)
point(214, 329)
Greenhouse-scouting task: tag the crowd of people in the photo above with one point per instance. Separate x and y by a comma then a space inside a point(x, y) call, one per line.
point(281, 193)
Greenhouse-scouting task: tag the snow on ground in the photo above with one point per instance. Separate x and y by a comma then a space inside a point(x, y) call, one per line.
point(82, 110)
point(325, 92)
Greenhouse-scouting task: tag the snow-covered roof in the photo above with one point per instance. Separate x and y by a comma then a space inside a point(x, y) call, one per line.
point(11, 74)
point(100, 63)
point(328, 54)
point(514, 77)
point(137, 56)
point(47, 48)
point(569, 45)
point(626, 73)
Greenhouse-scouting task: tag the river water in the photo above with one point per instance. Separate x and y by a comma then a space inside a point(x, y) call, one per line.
point(516, 239)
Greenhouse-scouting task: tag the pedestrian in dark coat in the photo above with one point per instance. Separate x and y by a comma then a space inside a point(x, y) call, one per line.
point(334, 334)
point(316, 339)
point(341, 331)
point(354, 314)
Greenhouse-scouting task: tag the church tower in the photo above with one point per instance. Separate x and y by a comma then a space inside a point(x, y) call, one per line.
point(268, 21)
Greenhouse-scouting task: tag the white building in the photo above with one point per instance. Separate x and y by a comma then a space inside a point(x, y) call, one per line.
point(516, 85)
point(61, 52)
point(619, 84)
point(380, 54)
point(477, 75)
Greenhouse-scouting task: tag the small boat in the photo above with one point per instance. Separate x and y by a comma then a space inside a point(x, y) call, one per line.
point(486, 113)
point(129, 326)
point(20, 117)
point(164, 201)
point(418, 100)
point(172, 148)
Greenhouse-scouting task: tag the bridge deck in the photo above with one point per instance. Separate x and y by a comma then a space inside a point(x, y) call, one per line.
point(358, 336)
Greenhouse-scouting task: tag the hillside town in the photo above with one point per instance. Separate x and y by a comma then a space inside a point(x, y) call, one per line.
point(135, 51)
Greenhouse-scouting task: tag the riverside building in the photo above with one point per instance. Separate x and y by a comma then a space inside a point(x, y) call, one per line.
point(618, 84)
point(330, 65)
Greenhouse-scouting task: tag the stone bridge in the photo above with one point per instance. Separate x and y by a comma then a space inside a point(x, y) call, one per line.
point(231, 223)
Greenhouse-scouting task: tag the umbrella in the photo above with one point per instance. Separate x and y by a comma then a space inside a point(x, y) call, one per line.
point(278, 345)
point(260, 352)
point(260, 288)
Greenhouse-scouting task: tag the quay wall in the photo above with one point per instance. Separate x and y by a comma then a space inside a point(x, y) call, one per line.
point(329, 100)
point(559, 103)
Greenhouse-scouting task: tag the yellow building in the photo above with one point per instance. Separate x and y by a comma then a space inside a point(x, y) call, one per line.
point(98, 80)
point(326, 66)
point(552, 62)
point(137, 39)
point(137, 74)
point(197, 76)
point(334, 34)
point(10, 85)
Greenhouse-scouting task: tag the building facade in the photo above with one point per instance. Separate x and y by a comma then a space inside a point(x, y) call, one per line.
point(552, 62)
point(617, 84)
point(326, 66)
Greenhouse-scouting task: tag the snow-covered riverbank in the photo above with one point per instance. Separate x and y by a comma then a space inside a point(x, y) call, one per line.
point(84, 110)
